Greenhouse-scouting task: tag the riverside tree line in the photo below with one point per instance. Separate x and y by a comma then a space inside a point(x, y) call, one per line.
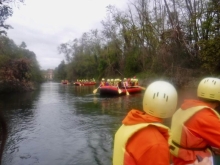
point(19, 69)
point(171, 38)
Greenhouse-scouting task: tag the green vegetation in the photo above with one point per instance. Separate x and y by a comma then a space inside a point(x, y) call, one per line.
point(164, 38)
point(6, 11)
point(60, 72)
point(173, 39)
point(19, 69)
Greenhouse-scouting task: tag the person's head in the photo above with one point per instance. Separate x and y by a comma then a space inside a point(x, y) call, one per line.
point(160, 99)
point(209, 91)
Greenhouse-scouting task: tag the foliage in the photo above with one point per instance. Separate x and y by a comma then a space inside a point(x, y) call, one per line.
point(171, 37)
point(210, 55)
point(23, 45)
point(6, 11)
point(60, 72)
point(19, 68)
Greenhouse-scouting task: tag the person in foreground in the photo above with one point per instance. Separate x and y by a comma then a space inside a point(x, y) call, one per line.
point(195, 126)
point(142, 139)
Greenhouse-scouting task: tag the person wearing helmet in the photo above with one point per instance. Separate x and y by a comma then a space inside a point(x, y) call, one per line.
point(120, 83)
point(125, 82)
point(136, 82)
point(102, 83)
point(108, 82)
point(112, 82)
point(142, 139)
point(195, 126)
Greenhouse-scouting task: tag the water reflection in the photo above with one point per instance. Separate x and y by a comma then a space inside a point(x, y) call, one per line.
point(18, 110)
point(64, 124)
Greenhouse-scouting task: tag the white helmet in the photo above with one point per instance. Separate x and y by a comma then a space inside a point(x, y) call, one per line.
point(209, 88)
point(160, 99)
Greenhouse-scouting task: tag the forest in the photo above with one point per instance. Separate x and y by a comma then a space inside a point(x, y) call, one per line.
point(19, 68)
point(174, 39)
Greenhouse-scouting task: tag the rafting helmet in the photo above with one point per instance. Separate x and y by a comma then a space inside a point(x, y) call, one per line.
point(160, 99)
point(209, 88)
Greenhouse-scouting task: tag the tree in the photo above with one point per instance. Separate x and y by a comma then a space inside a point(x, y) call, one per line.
point(60, 71)
point(5, 12)
point(19, 67)
point(173, 37)
point(23, 45)
point(210, 55)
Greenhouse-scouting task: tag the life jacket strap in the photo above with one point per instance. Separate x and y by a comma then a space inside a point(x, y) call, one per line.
point(186, 148)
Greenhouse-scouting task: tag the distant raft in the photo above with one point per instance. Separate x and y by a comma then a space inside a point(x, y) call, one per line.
point(65, 82)
point(84, 83)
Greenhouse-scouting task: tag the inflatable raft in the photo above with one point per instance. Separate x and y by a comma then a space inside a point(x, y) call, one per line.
point(114, 90)
point(84, 83)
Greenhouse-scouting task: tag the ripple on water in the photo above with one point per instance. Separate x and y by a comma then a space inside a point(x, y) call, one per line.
point(64, 125)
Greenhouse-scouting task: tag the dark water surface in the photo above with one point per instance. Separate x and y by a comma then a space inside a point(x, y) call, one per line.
point(65, 125)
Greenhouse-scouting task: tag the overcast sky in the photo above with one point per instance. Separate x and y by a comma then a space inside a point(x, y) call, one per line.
point(44, 24)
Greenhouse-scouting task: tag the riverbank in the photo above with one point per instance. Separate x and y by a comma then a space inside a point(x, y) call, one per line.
point(191, 82)
point(16, 87)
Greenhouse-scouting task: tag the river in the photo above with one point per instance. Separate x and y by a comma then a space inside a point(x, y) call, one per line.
point(65, 125)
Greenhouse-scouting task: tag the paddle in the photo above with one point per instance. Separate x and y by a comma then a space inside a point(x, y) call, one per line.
point(119, 90)
point(127, 93)
point(140, 87)
point(95, 90)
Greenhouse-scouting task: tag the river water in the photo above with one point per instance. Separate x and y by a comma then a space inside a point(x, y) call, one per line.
point(65, 125)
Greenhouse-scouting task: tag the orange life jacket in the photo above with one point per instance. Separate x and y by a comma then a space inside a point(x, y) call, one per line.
point(183, 143)
point(120, 155)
